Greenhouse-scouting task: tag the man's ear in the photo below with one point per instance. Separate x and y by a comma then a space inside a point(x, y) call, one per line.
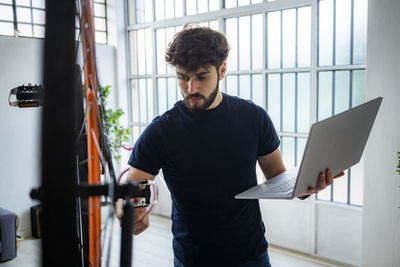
point(222, 70)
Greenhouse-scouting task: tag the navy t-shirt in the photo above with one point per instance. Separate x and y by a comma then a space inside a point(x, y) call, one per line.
point(208, 157)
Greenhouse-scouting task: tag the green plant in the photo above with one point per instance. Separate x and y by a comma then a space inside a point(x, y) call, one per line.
point(398, 165)
point(117, 134)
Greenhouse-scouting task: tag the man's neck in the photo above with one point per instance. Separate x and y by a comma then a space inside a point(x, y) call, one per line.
point(217, 100)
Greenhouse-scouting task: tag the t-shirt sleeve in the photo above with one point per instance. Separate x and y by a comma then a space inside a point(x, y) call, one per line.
point(268, 139)
point(149, 150)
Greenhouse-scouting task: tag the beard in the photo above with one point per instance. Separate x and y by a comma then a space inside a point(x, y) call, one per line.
point(207, 100)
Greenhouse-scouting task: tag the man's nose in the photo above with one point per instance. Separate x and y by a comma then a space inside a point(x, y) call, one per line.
point(192, 87)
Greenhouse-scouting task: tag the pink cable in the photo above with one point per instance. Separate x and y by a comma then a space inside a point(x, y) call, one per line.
point(153, 186)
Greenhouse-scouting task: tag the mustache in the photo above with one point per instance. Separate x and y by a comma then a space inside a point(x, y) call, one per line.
point(195, 95)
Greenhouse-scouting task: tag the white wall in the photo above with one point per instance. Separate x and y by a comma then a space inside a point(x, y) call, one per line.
point(20, 64)
point(381, 218)
point(21, 60)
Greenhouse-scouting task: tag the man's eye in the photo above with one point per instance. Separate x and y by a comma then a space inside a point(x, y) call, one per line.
point(201, 78)
point(183, 78)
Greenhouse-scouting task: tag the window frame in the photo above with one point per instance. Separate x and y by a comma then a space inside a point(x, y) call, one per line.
point(236, 12)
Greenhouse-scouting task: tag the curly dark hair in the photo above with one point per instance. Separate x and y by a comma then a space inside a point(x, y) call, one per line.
point(195, 47)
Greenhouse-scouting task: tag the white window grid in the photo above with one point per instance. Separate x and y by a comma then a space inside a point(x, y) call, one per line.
point(323, 78)
point(26, 18)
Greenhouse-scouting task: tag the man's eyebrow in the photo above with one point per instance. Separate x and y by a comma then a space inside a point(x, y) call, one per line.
point(202, 73)
point(197, 74)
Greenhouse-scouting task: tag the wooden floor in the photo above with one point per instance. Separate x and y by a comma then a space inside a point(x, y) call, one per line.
point(152, 248)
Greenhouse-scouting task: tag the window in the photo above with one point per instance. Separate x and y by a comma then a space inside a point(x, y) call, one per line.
point(26, 18)
point(302, 63)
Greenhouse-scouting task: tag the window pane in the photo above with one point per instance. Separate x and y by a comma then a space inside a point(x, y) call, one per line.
point(360, 31)
point(214, 25)
point(171, 92)
point(6, 13)
point(23, 3)
point(257, 87)
point(342, 91)
point(6, 1)
point(161, 67)
point(301, 145)
point(274, 99)
point(288, 97)
point(232, 85)
point(244, 43)
point(131, 12)
point(38, 31)
point(244, 86)
point(101, 37)
point(39, 16)
point(139, 11)
point(24, 15)
point(340, 188)
point(135, 133)
point(357, 183)
point(191, 8)
point(170, 32)
point(303, 102)
point(244, 2)
point(100, 24)
point(178, 8)
point(149, 53)
point(148, 11)
point(160, 9)
point(143, 100)
point(288, 151)
point(325, 32)
point(99, 10)
point(274, 39)
point(25, 30)
point(257, 41)
point(132, 51)
point(169, 9)
point(358, 96)
point(135, 101)
point(141, 48)
point(231, 35)
point(203, 24)
point(324, 95)
point(230, 3)
point(202, 6)
point(6, 28)
point(304, 37)
point(325, 194)
point(343, 23)
point(38, 3)
point(214, 5)
point(150, 100)
point(162, 95)
point(289, 38)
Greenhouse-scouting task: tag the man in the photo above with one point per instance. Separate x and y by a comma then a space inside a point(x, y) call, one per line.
point(208, 145)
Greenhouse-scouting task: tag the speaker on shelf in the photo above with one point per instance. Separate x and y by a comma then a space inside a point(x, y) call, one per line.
point(36, 221)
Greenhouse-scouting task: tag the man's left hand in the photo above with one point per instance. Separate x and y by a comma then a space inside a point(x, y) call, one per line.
point(325, 179)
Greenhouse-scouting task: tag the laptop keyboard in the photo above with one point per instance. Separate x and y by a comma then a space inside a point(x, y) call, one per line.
point(285, 186)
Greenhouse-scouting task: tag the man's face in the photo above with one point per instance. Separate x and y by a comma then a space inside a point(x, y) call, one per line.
point(200, 88)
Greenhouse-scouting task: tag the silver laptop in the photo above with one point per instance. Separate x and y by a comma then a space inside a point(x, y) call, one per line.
point(336, 143)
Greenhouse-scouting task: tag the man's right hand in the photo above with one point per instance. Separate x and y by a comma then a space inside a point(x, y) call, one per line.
point(140, 217)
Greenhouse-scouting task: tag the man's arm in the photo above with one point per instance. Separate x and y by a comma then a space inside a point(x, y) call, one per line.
point(141, 219)
point(271, 164)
